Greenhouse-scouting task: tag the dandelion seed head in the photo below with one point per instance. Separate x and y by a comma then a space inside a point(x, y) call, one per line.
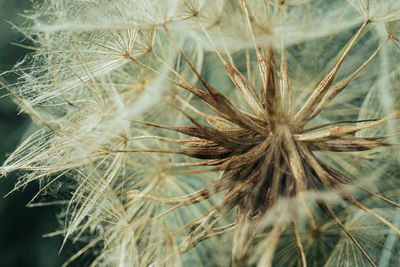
point(377, 10)
point(261, 128)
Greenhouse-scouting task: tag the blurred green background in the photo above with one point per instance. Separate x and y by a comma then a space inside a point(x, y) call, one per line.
point(21, 228)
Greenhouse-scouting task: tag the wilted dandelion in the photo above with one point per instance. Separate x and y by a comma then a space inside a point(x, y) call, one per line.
point(218, 132)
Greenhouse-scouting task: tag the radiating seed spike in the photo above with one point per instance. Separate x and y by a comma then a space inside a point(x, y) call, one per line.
point(303, 115)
